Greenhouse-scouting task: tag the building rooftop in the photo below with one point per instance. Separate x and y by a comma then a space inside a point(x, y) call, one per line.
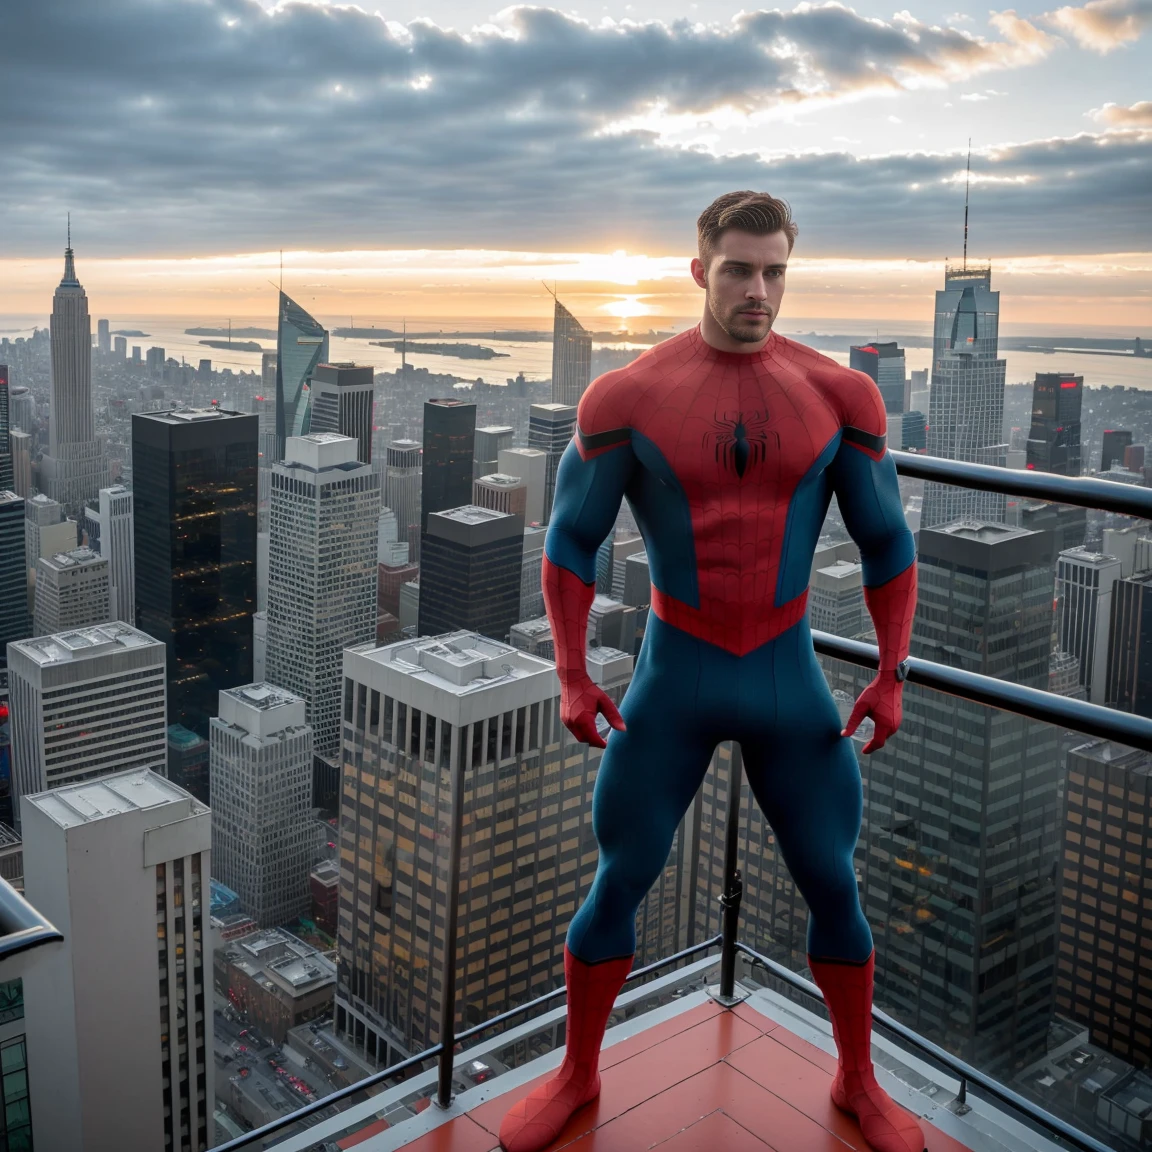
point(1084, 555)
point(191, 415)
point(841, 572)
point(84, 643)
point(113, 795)
point(458, 662)
point(986, 532)
point(533, 628)
point(502, 480)
point(685, 1076)
point(263, 696)
point(75, 558)
point(327, 871)
point(9, 497)
point(471, 514)
point(278, 959)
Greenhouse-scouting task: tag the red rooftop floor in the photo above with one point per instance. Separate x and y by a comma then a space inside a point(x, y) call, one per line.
point(708, 1080)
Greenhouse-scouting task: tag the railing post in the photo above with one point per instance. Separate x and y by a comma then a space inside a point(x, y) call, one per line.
point(448, 983)
point(733, 883)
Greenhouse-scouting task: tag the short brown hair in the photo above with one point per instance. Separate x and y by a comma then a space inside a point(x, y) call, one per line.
point(754, 212)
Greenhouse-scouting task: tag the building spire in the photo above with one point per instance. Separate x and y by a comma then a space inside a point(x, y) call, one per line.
point(69, 276)
point(967, 179)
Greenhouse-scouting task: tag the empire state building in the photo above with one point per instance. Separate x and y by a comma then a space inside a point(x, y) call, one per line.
point(73, 470)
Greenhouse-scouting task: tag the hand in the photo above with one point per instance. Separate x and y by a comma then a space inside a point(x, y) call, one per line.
point(580, 702)
point(882, 700)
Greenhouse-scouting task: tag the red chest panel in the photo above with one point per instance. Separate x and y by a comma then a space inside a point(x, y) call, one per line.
point(739, 432)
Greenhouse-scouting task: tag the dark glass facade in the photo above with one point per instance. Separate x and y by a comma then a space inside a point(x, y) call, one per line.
point(959, 850)
point(449, 444)
point(15, 623)
point(1105, 969)
point(885, 364)
point(1054, 439)
point(301, 344)
point(195, 479)
point(470, 572)
point(7, 475)
point(1113, 445)
point(1129, 684)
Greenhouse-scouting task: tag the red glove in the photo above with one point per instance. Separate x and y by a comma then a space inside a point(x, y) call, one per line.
point(892, 607)
point(568, 600)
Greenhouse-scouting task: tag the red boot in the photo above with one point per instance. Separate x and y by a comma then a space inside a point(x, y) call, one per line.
point(847, 992)
point(536, 1121)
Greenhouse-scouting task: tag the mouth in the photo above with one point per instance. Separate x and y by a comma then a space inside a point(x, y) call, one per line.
point(755, 314)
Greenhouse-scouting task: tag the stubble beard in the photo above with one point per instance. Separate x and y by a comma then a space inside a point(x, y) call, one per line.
point(739, 327)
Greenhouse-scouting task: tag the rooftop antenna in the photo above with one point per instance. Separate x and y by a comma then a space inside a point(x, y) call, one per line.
point(404, 349)
point(967, 180)
point(69, 230)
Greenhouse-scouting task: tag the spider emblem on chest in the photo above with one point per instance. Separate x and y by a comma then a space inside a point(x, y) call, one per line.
point(740, 439)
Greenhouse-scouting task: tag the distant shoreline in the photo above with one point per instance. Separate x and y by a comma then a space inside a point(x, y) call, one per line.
point(260, 333)
point(234, 345)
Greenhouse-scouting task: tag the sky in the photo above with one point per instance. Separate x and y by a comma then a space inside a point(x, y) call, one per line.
point(441, 159)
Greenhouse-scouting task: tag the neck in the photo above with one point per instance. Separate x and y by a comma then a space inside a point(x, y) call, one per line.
point(715, 337)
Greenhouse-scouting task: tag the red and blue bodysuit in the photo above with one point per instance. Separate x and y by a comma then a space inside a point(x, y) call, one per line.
point(729, 462)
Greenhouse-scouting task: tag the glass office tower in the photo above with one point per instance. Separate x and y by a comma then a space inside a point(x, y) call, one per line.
point(449, 446)
point(195, 540)
point(301, 344)
point(571, 357)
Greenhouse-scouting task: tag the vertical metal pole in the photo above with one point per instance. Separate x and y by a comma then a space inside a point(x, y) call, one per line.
point(448, 983)
point(733, 883)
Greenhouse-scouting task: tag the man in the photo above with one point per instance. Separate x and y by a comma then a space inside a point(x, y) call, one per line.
point(728, 442)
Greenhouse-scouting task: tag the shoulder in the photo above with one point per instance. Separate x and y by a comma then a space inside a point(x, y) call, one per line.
point(611, 401)
point(852, 395)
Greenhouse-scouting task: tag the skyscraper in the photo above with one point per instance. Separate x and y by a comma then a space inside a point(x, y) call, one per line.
point(550, 429)
point(73, 469)
point(571, 357)
point(14, 620)
point(402, 491)
point(194, 522)
point(1054, 439)
point(117, 546)
point(85, 703)
point(960, 844)
point(342, 396)
point(122, 865)
point(301, 344)
point(7, 473)
point(72, 591)
point(415, 715)
point(1129, 679)
point(885, 364)
point(1115, 441)
point(966, 404)
point(1084, 583)
point(1105, 967)
point(490, 442)
point(449, 443)
point(261, 801)
point(501, 493)
point(188, 761)
point(531, 465)
point(470, 572)
point(321, 572)
point(21, 443)
point(103, 337)
point(836, 599)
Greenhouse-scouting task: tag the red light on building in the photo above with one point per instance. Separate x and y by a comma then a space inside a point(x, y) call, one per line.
point(1030, 467)
point(1069, 383)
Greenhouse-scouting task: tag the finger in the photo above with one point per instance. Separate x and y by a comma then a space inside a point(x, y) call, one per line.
point(584, 729)
point(859, 711)
point(612, 714)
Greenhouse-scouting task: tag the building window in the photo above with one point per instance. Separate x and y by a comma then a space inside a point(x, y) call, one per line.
point(15, 1115)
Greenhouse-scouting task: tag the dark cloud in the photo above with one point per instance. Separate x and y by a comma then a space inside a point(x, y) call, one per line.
point(204, 125)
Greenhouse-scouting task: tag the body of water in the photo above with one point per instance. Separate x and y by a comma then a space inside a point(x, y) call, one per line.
point(534, 359)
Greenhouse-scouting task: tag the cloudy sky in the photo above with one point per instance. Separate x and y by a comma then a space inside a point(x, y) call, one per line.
point(444, 155)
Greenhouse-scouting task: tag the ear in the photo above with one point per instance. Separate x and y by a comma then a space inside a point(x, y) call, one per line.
point(699, 272)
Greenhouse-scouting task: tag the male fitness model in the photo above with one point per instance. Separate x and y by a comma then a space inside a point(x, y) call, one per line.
point(728, 442)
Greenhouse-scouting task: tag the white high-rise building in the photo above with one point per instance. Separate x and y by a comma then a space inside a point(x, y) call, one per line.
point(1084, 582)
point(261, 788)
point(531, 466)
point(402, 480)
point(71, 591)
point(118, 548)
point(836, 599)
point(322, 572)
point(73, 469)
point(46, 532)
point(966, 405)
point(84, 704)
point(121, 1046)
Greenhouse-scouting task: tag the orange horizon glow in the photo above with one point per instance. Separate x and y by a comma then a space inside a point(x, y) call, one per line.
point(606, 290)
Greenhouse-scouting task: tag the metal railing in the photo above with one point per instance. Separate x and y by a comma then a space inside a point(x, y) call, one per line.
point(21, 926)
point(1034, 703)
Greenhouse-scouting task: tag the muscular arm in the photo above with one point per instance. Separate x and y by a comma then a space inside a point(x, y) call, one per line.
point(590, 483)
point(867, 491)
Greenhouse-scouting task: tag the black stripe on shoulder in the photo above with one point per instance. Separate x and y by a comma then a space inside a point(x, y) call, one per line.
point(864, 439)
point(604, 439)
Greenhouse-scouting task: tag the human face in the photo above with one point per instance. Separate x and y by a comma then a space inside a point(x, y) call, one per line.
point(744, 282)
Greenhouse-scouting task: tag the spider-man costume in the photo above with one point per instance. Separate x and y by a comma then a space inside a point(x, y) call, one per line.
point(728, 461)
